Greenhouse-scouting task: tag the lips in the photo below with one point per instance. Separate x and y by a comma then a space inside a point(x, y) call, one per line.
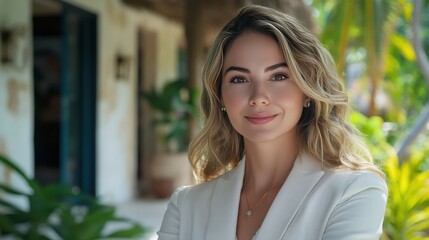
point(260, 119)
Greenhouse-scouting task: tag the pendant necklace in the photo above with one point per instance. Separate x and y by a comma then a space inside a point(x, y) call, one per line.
point(249, 212)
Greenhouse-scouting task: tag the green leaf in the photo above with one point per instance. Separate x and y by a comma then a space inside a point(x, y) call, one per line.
point(14, 167)
point(18, 217)
point(34, 185)
point(404, 46)
point(7, 227)
point(10, 206)
point(95, 220)
point(134, 231)
point(58, 199)
point(11, 190)
point(98, 212)
point(407, 213)
point(67, 225)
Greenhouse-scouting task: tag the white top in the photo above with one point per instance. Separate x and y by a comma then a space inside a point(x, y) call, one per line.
point(313, 203)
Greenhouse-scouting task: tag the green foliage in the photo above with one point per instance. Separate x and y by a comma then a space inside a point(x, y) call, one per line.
point(173, 104)
point(404, 82)
point(56, 211)
point(372, 130)
point(360, 25)
point(377, 34)
point(407, 213)
point(401, 81)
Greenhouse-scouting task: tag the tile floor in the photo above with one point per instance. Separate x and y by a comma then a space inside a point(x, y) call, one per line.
point(148, 212)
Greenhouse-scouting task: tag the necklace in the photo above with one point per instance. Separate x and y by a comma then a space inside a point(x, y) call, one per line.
point(249, 212)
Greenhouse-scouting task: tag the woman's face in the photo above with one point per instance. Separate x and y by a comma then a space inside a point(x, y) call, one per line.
point(258, 90)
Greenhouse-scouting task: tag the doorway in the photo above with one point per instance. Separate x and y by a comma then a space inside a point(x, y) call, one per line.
point(146, 75)
point(64, 53)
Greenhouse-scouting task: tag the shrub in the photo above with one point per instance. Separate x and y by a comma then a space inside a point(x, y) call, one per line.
point(57, 212)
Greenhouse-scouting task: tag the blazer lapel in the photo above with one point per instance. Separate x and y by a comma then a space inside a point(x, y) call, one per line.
point(224, 205)
point(304, 176)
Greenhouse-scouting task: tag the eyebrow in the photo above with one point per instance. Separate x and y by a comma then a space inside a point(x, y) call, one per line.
point(245, 70)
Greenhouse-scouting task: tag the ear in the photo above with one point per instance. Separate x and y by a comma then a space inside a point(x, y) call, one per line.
point(307, 102)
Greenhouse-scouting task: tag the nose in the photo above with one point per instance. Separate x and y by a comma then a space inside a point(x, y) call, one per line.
point(259, 96)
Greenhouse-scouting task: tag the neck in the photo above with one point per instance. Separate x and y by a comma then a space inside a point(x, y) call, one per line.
point(268, 164)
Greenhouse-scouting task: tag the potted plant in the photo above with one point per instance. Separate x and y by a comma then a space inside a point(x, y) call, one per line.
point(57, 211)
point(173, 106)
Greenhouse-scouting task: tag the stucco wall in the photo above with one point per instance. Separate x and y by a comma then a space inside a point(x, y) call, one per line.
point(116, 127)
point(117, 99)
point(16, 91)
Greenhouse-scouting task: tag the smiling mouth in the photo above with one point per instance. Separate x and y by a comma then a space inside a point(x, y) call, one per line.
point(260, 119)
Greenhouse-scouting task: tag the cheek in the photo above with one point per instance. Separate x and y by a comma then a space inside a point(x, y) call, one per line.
point(292, 97)
point(232, 99)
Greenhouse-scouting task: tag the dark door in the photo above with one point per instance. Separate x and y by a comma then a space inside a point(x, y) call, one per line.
point(64, 56)
point(78, 98)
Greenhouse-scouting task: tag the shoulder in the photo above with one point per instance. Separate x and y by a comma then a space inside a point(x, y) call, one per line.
point(358, 206)
point(340, 180)
point(357, 178)
point(349, 183)
point(203, 190)
point(192, 191)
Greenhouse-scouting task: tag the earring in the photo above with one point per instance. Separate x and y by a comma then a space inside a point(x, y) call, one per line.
point(223, 109)
point(307, 104)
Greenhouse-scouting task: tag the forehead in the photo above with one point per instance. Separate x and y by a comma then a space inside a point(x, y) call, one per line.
point(253, 47)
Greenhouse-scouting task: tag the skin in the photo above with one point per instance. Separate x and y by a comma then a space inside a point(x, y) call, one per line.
point(264, 105)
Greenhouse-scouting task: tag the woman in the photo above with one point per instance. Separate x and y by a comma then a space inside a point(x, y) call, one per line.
point(277, 157)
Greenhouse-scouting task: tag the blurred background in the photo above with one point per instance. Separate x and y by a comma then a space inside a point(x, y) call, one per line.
point(102, 95)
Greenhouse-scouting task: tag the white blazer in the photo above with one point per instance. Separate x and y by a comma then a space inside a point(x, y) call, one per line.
point(313, 203)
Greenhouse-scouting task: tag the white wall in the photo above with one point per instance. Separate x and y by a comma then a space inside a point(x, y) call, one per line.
point(16, 92)
point(116, 104)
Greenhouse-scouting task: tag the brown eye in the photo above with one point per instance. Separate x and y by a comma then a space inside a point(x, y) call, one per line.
point(238, 80)
point(279, 77)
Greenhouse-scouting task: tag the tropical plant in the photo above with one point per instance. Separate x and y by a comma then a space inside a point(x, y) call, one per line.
point(363, 34)
point(56, 211)
point(372, 46)
point(374, 136)
point(173, 104)
point(407, 213)
point(420, 49)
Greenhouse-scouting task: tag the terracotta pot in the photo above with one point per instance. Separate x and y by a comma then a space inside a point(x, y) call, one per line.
point(162, 187)
point(170, 170)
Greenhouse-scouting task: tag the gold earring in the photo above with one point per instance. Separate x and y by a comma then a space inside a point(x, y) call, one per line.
point(223, 109)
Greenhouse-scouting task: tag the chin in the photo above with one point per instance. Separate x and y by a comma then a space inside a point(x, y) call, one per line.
point(270, 136)
point(261, 138)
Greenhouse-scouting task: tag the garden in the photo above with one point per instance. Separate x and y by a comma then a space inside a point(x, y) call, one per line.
point(380, 47)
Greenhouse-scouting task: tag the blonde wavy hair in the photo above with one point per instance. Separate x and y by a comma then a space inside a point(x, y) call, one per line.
point(324, 128)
